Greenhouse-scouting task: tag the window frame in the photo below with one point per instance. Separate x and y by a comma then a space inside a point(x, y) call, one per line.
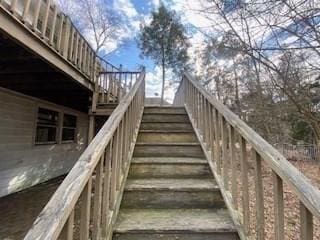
point(57, 127)
point(73, 128)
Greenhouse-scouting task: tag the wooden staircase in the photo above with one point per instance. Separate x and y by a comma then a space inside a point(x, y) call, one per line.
point(170, 192)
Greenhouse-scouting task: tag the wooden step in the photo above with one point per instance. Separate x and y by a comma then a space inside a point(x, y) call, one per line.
point(172, 224)
point(171, 193)
point(165, 110)
point(168, 126)
point(169, 167)
point(168, 136)
point(143, 149)
point(167, 118)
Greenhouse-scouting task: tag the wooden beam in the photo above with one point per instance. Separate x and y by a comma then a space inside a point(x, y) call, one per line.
point(25, 37)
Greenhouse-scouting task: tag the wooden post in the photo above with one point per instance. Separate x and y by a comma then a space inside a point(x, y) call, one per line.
point(26, 10)
point(13, 6)
point(67, 231)
point(217, 142)
point(66, 38)
point(36, 15)
point(106, 189)
point(91, 128)
point(60, 33)
point(245, 187)
point(85, 211)
point(225, 157)
point(97, 199)
point(45, 19)
point(234, 183)
point(306, 223)
point(53, 27)
point(278, 206)
point(259, 197)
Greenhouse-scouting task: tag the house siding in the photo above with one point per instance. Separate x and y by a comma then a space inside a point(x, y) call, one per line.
point(22, 163)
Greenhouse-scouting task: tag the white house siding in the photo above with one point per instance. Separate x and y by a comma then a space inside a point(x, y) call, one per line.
point(22, 163)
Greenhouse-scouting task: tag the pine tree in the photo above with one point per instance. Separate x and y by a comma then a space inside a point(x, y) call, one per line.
point(164, 40)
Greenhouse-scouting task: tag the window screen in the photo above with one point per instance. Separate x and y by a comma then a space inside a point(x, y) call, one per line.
point(47, 126)
point(69, 127)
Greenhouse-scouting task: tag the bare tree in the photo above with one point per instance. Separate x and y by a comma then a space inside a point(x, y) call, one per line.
point(282, 39)
point(96, 19)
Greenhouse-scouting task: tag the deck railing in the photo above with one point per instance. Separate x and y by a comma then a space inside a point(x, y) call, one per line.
point(225, 140)
point(85, 205)
point(113, 85)
point(51, 26)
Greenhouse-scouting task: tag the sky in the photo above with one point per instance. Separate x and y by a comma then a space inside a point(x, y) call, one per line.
point(126, 52)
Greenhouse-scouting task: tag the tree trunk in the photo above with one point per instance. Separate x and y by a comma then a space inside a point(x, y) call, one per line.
point(163, 78)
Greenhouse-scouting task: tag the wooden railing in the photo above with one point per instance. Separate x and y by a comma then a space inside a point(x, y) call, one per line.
point(43, 19)
point(226, 141)
point(86, 204)
point(113, 85)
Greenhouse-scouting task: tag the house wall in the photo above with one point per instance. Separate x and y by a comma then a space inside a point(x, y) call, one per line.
point(22, 163)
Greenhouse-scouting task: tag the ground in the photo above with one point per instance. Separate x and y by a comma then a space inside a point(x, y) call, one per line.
point(291, 202)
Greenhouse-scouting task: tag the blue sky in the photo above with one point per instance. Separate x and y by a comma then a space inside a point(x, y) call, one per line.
point(128, 54)
point(124, 49)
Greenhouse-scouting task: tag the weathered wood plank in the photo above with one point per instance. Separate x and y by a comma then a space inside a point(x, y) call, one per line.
point(278, 207)
point(306, 223)
point(96, 218)
point(85, 210)
point(245, 185)
point(259, 197)
point(67, 232)
point(307, 193)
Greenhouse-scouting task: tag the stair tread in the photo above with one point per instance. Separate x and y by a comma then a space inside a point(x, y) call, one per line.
point(169, 160)
point(174, 220)
point(169, 143)
point(175, 184)
point(166, 131)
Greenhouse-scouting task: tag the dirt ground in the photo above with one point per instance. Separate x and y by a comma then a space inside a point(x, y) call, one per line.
point(291, 202)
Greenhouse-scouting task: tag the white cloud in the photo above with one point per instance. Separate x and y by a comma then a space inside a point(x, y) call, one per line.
point(126, 7)
point(154, 84)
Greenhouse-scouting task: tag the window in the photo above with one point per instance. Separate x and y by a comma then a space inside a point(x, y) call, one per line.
point(69, 128)
point(47, 126)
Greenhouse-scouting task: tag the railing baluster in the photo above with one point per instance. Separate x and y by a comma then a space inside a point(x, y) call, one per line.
point(225, 157)
point(67, 231)
point(97, 199)
point(121, 148)
point(306, 222)
point(106, 189)
point(259, 196)
point(113, 173)
point(45, 19)
point(217, 141)
point(79, 63)
point(66, 37)
point(234, 184)
point(85, 211)
point(245, 187)
point(76, 49)
point(60, 31)
point(36, 15)
point(278, 206)
point(53, 27)
point(71, 48)
point(13, 5)
point(26, 10)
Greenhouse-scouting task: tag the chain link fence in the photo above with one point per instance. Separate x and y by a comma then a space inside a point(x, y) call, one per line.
point(300, 152)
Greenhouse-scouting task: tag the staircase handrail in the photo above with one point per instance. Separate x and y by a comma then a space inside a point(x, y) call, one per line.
point(106, 160)
point(217, 128)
